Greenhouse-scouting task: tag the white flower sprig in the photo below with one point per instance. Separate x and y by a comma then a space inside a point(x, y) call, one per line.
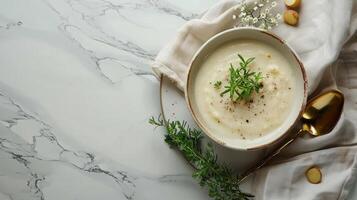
point(260, 14)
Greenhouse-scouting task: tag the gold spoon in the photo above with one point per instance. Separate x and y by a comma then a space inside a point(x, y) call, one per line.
point(323, 112)
point(320, 117)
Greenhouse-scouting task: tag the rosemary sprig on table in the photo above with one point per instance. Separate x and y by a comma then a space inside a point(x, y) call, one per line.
point(242, 82)
point(220, 181)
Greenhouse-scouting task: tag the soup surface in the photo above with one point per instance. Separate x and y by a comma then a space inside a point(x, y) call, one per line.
point(264, 111)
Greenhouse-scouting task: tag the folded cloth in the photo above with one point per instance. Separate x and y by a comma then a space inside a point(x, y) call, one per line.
point(324, 28)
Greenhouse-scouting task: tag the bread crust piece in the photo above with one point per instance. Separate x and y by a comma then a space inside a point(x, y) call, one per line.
point(292, 3)
point(291, 17)
point(314, 175)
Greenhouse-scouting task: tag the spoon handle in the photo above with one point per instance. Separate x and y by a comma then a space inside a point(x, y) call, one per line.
point(270, 156)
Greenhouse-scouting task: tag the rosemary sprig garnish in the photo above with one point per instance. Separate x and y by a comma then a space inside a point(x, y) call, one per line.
point(242, 81)
point(220, 181)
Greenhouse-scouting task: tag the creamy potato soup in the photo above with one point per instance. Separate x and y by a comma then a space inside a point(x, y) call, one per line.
point(265, 110)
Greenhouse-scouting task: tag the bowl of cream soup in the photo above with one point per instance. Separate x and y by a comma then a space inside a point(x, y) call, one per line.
point(246, 88)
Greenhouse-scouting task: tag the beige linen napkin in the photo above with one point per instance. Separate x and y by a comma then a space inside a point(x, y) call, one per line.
point(324, 28)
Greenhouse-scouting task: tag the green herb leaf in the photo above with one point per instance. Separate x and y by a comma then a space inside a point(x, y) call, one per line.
point(217, 84)
point(222, 184)
point(242, 81)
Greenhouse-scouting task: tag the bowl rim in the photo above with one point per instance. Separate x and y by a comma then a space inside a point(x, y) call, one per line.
point(205, 130)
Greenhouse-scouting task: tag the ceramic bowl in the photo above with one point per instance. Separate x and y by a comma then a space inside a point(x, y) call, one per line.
point(300, 94)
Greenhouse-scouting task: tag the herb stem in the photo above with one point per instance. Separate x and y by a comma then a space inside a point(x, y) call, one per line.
point(221, 182)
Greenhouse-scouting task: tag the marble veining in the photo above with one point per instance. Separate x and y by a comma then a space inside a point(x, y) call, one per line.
point(43, 147)
point(111, 42)
point(76, 91)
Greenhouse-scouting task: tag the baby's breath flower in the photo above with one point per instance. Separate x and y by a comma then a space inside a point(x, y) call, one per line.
point(245, 19)
point(260, 14)
point(255, 20)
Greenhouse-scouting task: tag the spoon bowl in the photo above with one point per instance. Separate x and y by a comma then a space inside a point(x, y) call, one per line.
point(323, 112)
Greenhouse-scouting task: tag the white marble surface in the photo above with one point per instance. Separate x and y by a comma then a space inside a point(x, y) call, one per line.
point(76, 91)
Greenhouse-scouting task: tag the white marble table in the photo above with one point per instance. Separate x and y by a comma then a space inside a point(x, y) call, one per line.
point(76, 91)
